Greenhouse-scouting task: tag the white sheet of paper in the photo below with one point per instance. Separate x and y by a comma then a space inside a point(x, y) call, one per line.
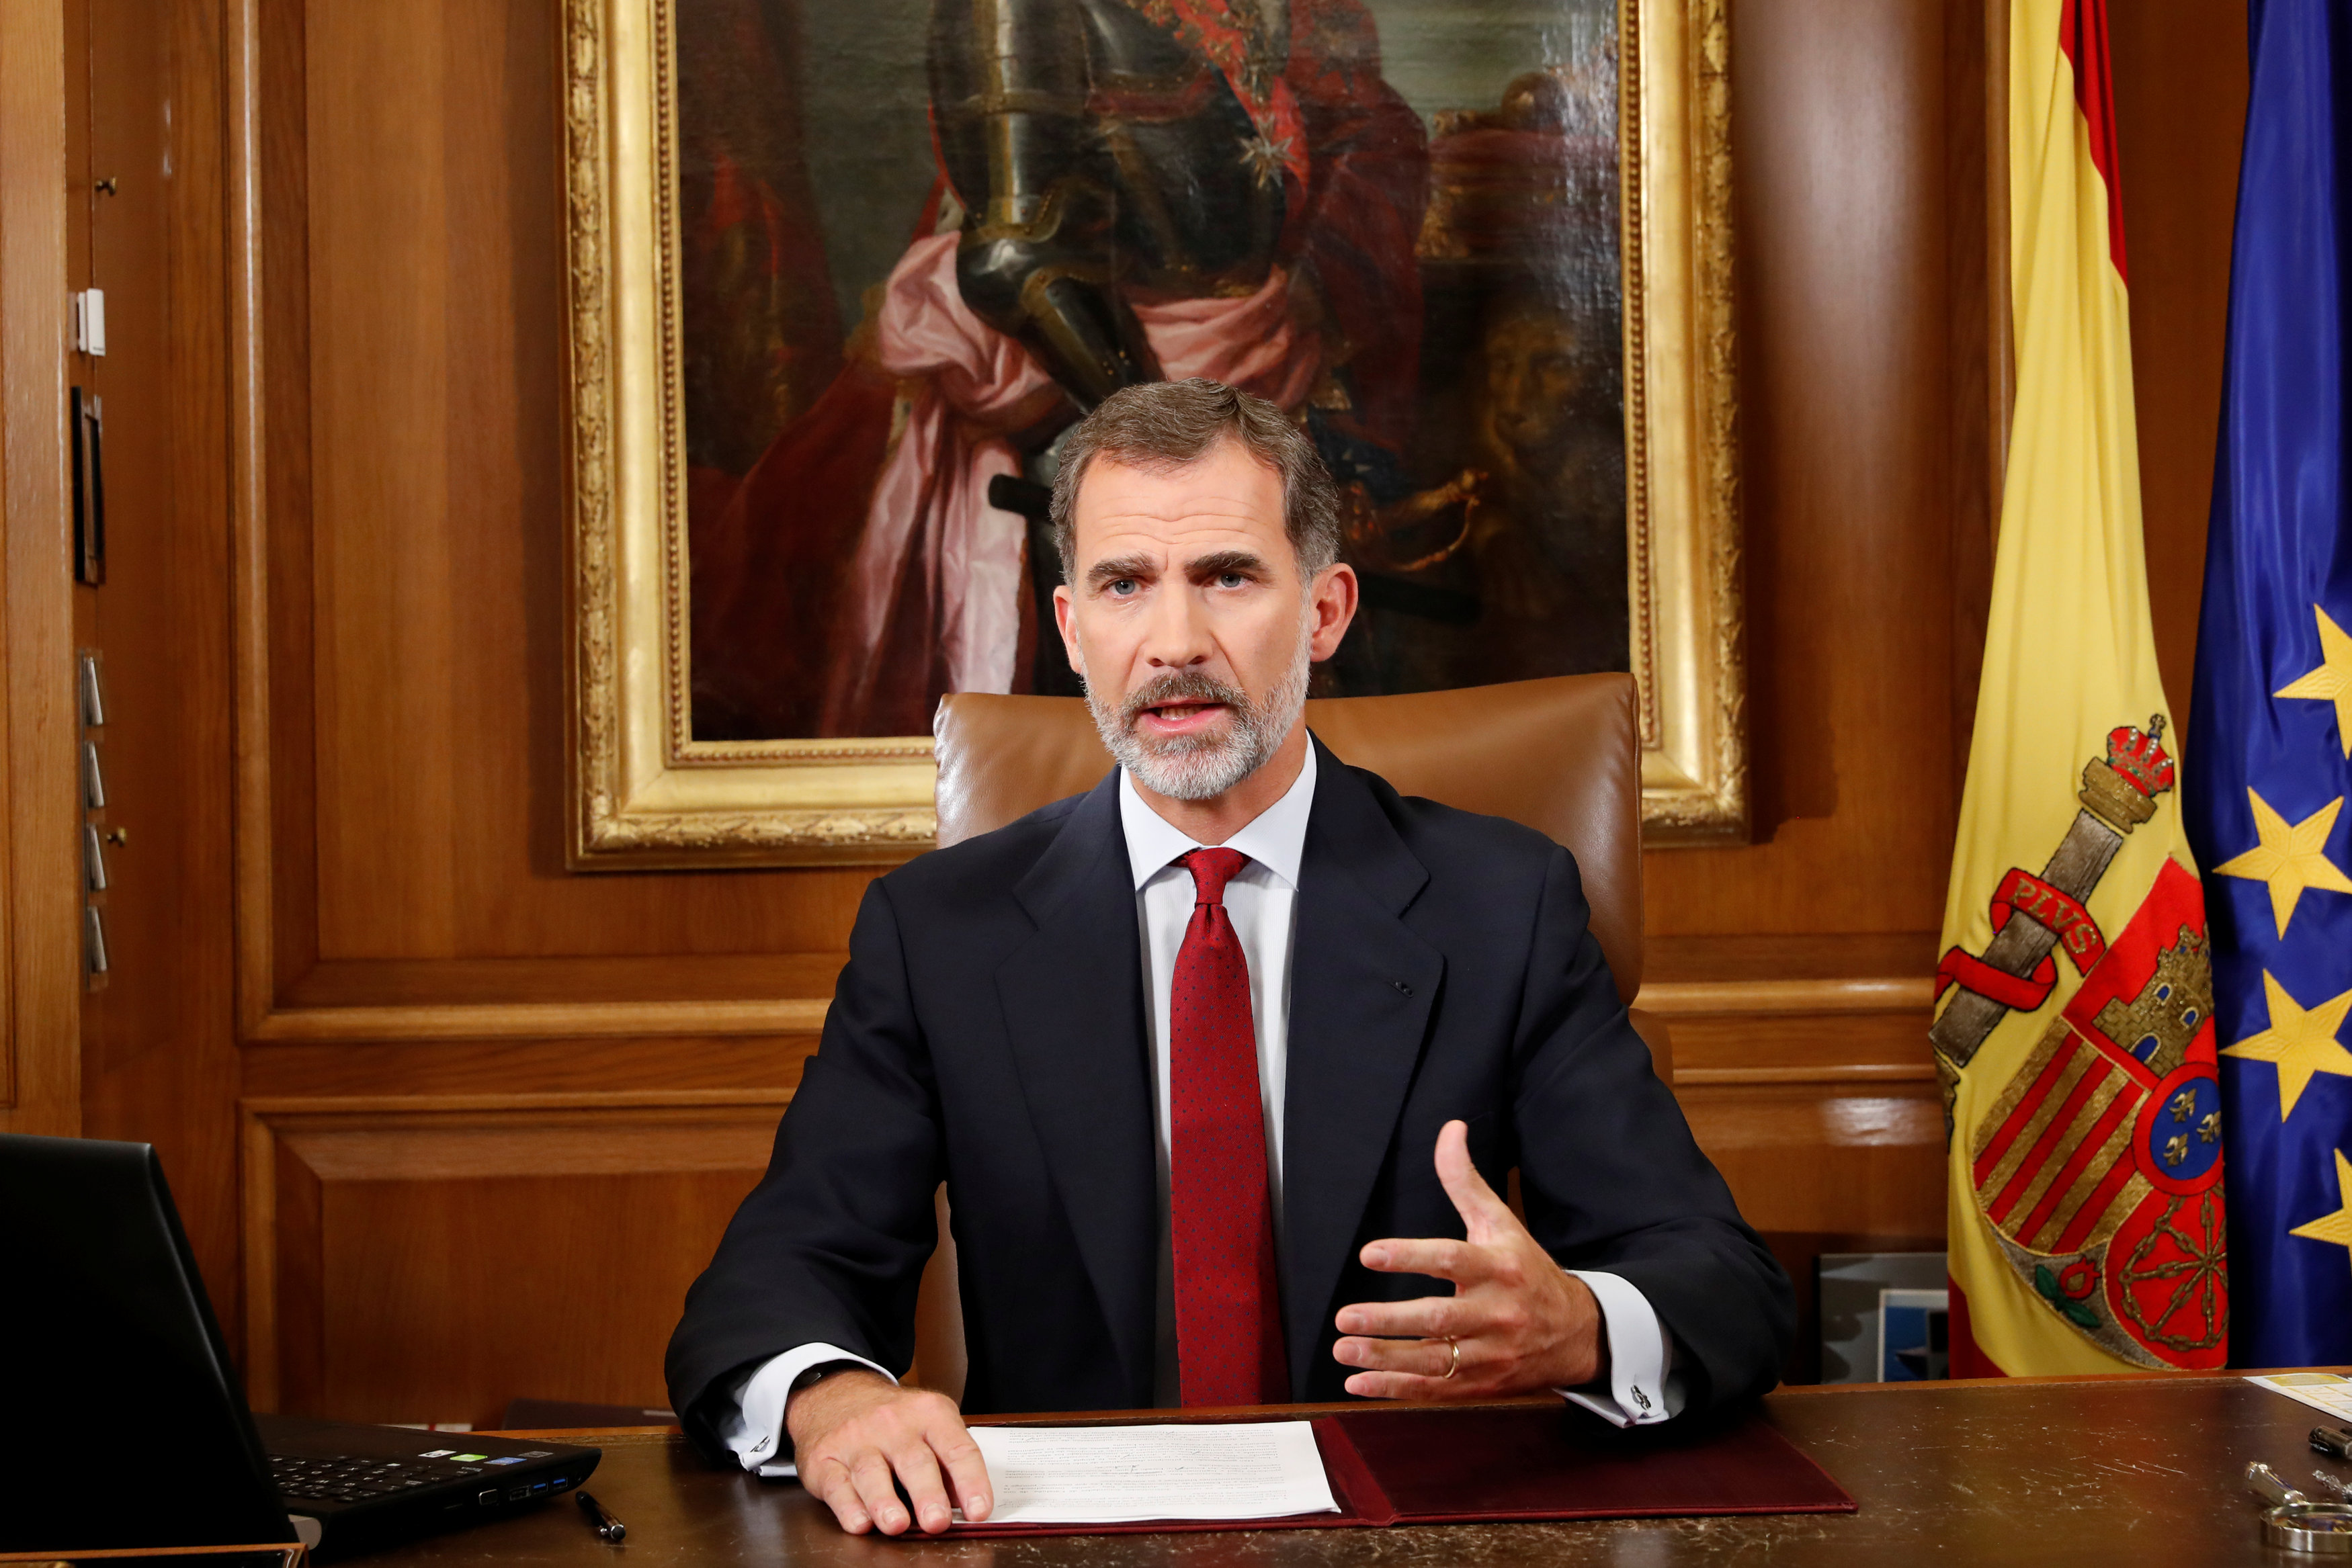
point(1113, 1475)
point(2320, 1390)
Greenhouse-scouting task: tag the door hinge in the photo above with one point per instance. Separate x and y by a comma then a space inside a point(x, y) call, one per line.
point(90, 691)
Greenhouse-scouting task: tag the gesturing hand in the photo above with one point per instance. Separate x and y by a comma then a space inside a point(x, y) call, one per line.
point(1516, 1322)
point(856, 1432)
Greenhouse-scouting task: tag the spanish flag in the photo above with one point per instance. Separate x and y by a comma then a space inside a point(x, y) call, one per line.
point(2073, 1035)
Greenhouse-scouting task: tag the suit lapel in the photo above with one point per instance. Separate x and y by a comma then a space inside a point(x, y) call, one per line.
point(1361, 991)
point(1073, 1002)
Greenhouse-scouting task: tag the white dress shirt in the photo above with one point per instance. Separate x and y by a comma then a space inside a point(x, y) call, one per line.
point(1261, 901)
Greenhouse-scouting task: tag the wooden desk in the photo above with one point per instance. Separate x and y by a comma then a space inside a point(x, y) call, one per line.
point(2064, 1472)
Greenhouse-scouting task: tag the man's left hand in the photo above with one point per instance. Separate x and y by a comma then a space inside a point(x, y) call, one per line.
point(1515, 1322)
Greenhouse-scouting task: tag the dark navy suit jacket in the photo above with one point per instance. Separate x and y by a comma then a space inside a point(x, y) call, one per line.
point(988, 1031)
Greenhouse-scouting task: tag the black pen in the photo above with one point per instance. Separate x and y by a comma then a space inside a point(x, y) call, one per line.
point(603, 1523)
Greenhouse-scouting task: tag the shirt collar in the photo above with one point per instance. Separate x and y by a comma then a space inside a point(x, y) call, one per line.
point(1275, 838)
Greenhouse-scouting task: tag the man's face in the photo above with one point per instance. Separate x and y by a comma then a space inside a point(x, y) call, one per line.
point(1189, 619)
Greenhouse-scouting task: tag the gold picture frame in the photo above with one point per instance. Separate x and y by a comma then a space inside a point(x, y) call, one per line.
point(646, 794)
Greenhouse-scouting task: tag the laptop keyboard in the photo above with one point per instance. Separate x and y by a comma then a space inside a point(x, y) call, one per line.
point(351, 1478)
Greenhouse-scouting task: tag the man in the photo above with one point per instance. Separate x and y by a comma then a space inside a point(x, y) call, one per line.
point(1221, 1061)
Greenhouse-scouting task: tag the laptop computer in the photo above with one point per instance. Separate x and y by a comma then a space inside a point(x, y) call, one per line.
point(124, 1424)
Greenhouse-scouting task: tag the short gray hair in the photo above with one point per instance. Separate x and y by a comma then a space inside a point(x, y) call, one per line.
point(1162, 425)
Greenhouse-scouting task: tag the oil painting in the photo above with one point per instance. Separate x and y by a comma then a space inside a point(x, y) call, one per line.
point(894, 252)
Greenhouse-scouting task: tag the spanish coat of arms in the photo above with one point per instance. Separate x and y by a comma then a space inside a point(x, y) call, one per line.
point(2099, 1168)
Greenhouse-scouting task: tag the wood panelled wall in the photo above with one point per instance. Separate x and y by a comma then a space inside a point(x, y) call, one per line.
point(454, 1125)
point(2181, 110)
point(1794, 969)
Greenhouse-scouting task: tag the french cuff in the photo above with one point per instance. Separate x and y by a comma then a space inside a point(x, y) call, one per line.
point(755, 1433)
point(1643, 1387)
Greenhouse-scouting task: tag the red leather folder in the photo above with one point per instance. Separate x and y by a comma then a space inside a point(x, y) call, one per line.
point(1495, 1464)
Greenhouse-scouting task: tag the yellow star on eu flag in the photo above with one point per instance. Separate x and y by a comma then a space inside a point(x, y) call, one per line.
point(2333, 1229)
point(2332, 681)
point(2299, 1043)
point(2290, 857)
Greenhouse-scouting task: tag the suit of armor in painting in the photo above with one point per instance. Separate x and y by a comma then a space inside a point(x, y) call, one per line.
point(1102, 153)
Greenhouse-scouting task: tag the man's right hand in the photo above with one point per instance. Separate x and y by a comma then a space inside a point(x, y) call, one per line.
point(856, 1433)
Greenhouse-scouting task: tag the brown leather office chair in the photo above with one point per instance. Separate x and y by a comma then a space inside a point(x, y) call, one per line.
point(1562, 756)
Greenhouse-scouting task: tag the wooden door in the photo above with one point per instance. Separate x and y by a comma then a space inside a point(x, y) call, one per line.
point(146, 194)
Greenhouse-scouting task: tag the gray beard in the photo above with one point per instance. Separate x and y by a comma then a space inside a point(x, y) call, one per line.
point(1201, 767)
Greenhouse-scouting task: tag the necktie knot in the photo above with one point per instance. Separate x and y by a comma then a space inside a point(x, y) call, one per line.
point(1211, 869)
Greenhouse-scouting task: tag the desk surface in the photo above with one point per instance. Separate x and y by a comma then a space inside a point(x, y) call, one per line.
point(2058, 1471)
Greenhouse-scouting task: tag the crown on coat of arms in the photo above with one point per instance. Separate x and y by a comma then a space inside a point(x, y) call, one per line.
point(2122, 786)
point(2138, 756)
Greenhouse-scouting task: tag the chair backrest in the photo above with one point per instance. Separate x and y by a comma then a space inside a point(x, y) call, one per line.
point(1562, 756)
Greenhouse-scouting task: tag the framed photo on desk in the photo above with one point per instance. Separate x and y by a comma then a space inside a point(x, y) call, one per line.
point(1497, 291)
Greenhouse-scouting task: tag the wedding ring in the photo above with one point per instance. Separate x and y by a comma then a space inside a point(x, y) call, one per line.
point(1453, 1359)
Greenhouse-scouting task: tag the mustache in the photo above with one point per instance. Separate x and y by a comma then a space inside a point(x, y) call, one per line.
point(1181, 684)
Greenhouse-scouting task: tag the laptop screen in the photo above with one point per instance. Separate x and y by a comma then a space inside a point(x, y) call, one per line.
point(126, 1425)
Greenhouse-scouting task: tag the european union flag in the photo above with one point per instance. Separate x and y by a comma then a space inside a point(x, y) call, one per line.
point(2269, 759)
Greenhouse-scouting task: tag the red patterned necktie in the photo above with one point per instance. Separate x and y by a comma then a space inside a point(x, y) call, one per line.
point(1228, 1304)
